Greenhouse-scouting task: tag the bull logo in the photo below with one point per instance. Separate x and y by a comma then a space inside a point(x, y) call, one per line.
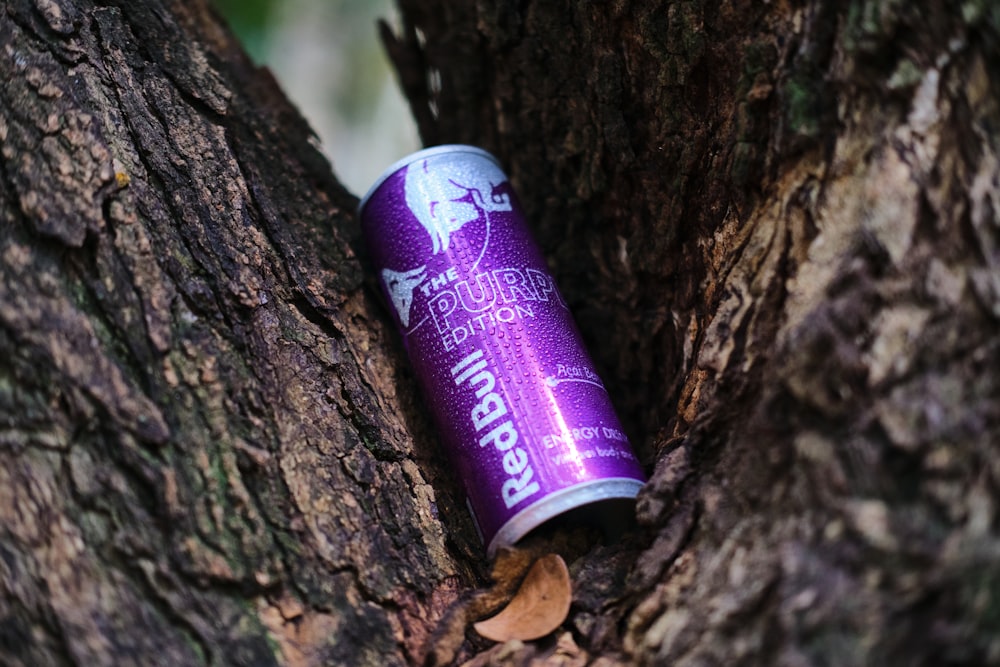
point(444, 197)
point(441, 198)
point(401, 285)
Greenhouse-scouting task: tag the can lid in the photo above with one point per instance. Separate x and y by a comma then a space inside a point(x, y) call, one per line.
point(420, 155)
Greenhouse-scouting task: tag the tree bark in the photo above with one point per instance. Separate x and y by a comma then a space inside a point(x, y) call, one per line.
point(776, 224)
point(208, 451)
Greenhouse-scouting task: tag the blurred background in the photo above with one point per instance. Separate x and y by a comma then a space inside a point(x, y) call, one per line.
point(328, 59)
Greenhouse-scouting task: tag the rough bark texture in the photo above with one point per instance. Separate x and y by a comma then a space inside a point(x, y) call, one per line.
point(204, 457)
point(778, 226)
point(776, 223)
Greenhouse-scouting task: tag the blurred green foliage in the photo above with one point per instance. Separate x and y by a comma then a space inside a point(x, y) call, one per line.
point(368, 68)
point(352, 34)
point(250, 20)
point(328, 59)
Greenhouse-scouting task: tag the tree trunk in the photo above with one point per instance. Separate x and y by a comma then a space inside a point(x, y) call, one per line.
point(208, 441)
point(777, 225)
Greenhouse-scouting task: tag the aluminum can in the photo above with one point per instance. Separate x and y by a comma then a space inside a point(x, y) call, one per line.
point(527, 423)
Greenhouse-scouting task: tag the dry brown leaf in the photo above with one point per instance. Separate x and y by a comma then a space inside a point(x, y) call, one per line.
point(540, 605)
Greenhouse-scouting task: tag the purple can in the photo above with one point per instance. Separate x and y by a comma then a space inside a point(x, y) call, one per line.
point(527, 423)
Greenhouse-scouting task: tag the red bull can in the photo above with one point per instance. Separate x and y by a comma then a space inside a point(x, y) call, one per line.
point(527, 423)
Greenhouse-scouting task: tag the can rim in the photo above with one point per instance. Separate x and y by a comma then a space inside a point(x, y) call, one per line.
point(559, 502)
point(420, 155)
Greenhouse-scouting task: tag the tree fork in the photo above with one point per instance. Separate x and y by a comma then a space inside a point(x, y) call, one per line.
point(776, 224)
